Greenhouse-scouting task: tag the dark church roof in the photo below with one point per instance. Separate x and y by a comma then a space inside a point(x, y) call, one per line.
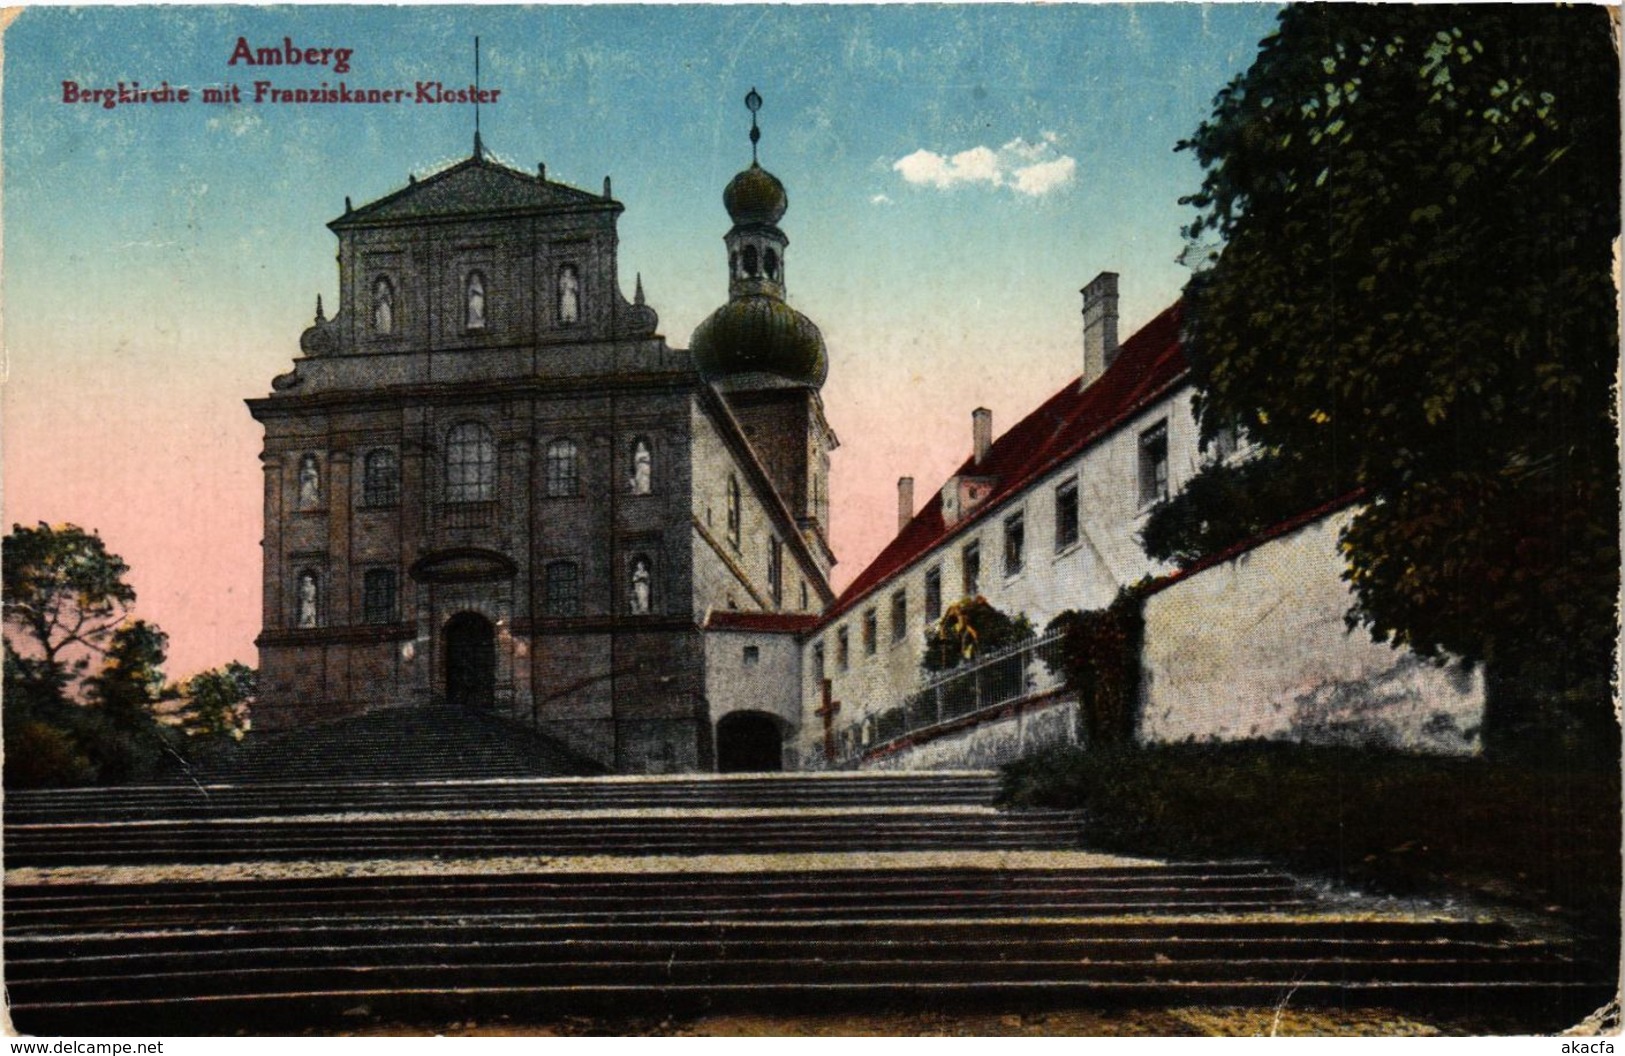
point(1147, 366)
point(476, 186)
point(760, 333)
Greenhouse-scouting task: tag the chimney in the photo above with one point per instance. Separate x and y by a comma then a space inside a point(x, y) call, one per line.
point(1099, 326)
point(905, 502)
point(981, 431)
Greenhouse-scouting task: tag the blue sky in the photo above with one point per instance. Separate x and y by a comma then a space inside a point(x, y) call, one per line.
point(955, 175)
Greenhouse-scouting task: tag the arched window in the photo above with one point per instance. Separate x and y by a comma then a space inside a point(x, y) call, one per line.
point(307, 599)
point(640, 591)
point(378, 595)
point(733, 511)
point(569, 295)
point(310, 483)
point(383, 306)
point(563, 589)
point(380, 479)
point(474, 301)
point(563, 472)
point(641, 480)
point(471, 464)
point(770, 263)
point(752, 265)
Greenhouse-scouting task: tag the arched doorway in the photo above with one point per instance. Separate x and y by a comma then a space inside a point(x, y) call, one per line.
point(471, 661)
point(749, 740)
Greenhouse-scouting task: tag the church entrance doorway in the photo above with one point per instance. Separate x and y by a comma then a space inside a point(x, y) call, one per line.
point(471, 662)
point(749, 740)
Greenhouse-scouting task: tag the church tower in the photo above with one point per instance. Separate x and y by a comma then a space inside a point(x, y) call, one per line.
point(766, 358)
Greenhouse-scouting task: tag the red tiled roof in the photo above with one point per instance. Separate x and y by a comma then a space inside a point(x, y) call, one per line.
point(771, 622)
point(1147, 365)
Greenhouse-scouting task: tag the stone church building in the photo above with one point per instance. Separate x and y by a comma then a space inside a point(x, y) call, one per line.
point(490, 482)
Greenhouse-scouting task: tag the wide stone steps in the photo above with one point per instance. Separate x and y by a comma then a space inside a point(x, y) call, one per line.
point(177, 802)
point(288, 906)
point(403, 744)
point(505, 837)
point(202, 956)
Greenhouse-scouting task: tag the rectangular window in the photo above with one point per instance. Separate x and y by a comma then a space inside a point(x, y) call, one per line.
point(970, 567)
point(1066, 515)
point(563, 471)
point(1154, 464)
point(1015, 542)
point(775, 571)
point(1225, 442)
point(753, 655)
point(933, 594)
point(804, 595)
point(899, 615)
point(818, 664)
point(380, 479)
point(378, 596)
point(871, 632)
point(563, 589)
point(843, 650)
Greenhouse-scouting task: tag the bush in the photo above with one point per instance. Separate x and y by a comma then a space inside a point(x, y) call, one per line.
point(1099, 657)
point(1397, 823)
point(969, 628)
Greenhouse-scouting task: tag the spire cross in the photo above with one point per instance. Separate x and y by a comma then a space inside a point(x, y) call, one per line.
point(753, 103)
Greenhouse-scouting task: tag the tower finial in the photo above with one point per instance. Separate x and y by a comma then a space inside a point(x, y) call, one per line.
point(753, 103)
point(319, 316)
point(479, 149)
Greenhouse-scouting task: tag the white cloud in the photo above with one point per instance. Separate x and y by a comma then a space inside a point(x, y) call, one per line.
point(1030, 168)
point(880, 199)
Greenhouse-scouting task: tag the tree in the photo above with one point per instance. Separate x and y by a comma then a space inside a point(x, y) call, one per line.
point(64, 590)
point(1404, 285)
point(968, 628)
point(131, 682)
point(217, 701)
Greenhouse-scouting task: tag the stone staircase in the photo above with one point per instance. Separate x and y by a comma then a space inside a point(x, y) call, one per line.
point(306, 904)
point(435, 743)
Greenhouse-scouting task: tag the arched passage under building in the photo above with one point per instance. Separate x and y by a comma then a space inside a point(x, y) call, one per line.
point(471, 662)
point(749, 740)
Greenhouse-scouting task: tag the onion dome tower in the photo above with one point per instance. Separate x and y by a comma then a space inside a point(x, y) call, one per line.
point(756, 332)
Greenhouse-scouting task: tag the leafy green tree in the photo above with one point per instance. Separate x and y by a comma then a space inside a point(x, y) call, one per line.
point(131, 682)
point(1404, 254)
point(64, 590)
point(217, 701)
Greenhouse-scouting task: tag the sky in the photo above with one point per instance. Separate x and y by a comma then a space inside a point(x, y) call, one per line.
point(955, 175)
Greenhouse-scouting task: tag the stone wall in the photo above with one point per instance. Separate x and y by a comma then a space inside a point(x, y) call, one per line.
point(989, 745)
point(1257, 647)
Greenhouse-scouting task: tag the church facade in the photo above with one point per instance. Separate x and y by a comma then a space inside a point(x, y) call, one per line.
point(490, 483)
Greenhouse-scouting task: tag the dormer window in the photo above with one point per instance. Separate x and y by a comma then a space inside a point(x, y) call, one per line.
point(474, 300)
point(569, 295)
point(383, 306)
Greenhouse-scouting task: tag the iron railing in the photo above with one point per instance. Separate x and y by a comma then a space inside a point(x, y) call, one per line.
point(1028, 669)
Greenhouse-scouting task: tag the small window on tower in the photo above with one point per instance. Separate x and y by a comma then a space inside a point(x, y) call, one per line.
point(770, 261)
point(753, 655)
point(733, 512)
point(753, 266)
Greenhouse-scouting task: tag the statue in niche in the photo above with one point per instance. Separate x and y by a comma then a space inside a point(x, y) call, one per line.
point(476, 302)
point(307, 599)
point(640, 586)
point(569, 295)
point(642, 467)
point(310, 483)
point(383, 307)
